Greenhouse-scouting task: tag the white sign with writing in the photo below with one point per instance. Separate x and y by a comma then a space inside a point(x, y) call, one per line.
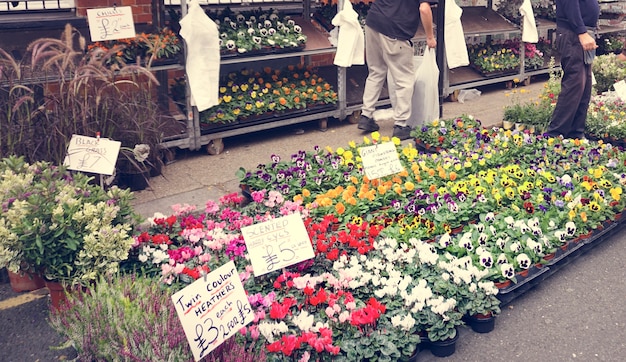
point(213, 309)
point(90, 154)
point(111, 23)
point(380, 160)
point(277, 243)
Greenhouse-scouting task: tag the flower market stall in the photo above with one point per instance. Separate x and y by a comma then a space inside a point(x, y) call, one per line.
point(400, 261)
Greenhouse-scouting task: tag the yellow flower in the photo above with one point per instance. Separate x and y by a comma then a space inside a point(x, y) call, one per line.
point(376, 136)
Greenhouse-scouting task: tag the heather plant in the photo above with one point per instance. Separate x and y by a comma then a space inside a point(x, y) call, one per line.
point(132, 318)
point(126, 318)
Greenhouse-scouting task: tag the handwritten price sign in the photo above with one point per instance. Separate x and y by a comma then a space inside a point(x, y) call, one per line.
point(277, 243)
point(213, 309)
point(89, 154)
point(380, 160)
point(111, 23)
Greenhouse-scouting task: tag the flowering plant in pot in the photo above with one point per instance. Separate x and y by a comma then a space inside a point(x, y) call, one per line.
point(144, 47)
point(70, 230)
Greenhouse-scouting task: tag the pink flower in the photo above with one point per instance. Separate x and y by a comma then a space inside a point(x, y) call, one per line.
point(211, 207)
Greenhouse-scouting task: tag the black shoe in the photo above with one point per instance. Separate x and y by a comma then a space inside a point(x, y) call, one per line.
point(367, 124)
point(402, 132)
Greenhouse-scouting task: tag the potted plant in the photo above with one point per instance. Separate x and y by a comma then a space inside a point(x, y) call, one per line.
point(69, 230)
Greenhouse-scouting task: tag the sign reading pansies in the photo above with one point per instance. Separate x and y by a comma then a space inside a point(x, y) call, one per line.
point(213, 309)
point(380, 160)
point(277, 243)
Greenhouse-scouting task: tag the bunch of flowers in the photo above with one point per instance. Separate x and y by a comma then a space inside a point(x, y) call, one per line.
point(607, 70)
point(448, 133)
point(145, 47)
point(533, 57)
point(493, 58)
point(250, 93)
point(606, 118)
point(249, 31)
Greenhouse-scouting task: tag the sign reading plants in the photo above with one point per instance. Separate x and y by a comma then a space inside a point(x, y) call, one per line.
point(213, 309)
point(111, 23)
point(277, 243)
point(380, 160)
point(90, 154)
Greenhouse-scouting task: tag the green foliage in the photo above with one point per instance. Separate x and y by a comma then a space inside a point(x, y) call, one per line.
point(62, 225)
point(607, 70)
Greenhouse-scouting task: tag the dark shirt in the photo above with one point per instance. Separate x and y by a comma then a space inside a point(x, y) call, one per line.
point(577, 17)
point(397, 19)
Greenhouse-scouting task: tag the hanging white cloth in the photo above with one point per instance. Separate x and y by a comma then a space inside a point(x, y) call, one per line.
point(529, 29)
point(351, 39)
point(201, 36)
point(454, 38)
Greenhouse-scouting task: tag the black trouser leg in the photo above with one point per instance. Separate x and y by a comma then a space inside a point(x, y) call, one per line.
point(570, 113)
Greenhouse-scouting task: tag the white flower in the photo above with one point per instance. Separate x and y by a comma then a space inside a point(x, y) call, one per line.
point(523, 260)
point(304, 321)
point(507, 270)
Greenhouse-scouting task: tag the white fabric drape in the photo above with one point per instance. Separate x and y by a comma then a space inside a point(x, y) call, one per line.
point(351, 40)
point(454, 38)
point(529, 29)
point(201, 36)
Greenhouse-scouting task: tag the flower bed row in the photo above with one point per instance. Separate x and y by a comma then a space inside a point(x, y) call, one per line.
point(406, 255)
point(250, 93)
point(498, 58)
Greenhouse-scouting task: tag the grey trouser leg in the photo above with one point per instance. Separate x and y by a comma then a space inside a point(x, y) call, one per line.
point(396, 56)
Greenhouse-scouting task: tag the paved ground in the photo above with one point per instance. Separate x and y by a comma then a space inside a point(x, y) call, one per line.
point(577, 314)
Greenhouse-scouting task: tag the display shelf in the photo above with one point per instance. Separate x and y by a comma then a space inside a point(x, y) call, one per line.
point(317, 43)
point(480, 21)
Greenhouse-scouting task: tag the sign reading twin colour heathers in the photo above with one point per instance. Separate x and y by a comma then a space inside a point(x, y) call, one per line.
point(213, 309)
point(380, 160)
point(277, 243)
point(90, 154)
point(111, 23)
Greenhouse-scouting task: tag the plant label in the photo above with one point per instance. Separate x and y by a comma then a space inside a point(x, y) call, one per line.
point(380, 160)
point(213, 309)
point(277, 243)
point(111, 23)
point(90, 154)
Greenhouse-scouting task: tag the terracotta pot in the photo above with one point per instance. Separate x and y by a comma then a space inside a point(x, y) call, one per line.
point(502, 285)
point(58, 295)
point(25, 281)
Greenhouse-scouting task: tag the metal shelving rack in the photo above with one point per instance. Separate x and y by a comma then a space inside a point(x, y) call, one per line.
point(195, 139)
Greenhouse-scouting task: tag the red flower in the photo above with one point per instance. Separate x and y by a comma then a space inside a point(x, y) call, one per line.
point(161, 239)
point(319, 298)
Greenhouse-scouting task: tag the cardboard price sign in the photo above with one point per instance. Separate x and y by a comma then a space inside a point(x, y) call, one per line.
point(111, 23)
point(277, 243)
point(90, 154)
point(213, 309)
point(380, 160)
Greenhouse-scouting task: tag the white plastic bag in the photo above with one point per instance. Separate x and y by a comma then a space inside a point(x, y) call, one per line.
point(425, 105)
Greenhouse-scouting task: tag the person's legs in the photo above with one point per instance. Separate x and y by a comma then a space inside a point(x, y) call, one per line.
point(573, 84)
point(577, 130)
point(398, 56)
point(377, 71)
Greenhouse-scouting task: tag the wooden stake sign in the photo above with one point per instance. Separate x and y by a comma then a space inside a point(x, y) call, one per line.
point(380, 160)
